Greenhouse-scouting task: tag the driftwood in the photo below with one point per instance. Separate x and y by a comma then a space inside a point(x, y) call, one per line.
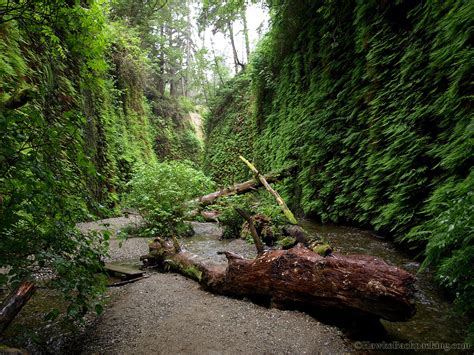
point(14, 303)
point(298, 277)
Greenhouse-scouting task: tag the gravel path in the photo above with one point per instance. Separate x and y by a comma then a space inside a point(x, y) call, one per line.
point(169, 314)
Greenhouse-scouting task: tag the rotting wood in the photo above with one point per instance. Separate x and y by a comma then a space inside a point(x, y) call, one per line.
point(253, 231)
point(358, 284)
point(14, 303)
point(123, 271)
point(287, 212)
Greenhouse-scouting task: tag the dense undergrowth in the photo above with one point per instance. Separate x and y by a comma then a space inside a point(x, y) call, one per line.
point(372, 101)
point(161, 192)
point(78, 114)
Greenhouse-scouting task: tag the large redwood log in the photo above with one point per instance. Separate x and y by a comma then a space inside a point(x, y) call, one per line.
point(363, 285)
point(14, 303)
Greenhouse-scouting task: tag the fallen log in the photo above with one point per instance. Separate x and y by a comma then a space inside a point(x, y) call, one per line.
point(256, 238)
point(14, 303)
point(286, 211)
point(298, 277)
point(241, 188)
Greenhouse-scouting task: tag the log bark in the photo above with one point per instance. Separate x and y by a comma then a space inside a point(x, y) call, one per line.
point(288, 214)
point(256, 238)
point(14, 303)
point(241, 188)
point(298, 277)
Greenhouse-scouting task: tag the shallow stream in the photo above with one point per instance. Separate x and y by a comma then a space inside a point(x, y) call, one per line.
point(435, 319)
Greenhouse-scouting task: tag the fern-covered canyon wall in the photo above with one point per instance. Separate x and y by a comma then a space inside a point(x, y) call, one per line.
point(372, 101)
point(229, 132)
point(79, 112)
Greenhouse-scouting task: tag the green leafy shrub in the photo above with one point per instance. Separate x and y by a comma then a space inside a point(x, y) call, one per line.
point(160, 192)
point(52, 54)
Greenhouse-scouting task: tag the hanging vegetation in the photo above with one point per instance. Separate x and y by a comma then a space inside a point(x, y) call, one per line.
point(77, 116)
point(371, 100)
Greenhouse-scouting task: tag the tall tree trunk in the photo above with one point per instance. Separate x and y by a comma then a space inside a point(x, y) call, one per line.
point(189, 42)
point(246, 34)
point(161, 62)
point(173, 90)
point(216, 63)
point(234, 50)
point(172, 66)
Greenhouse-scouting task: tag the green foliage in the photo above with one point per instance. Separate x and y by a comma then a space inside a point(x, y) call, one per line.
point(229, 218)
point(175, 135)
point(186, 104)
point(450, 240)
point(229, 133)
point(372, 101)
point(76, 115)
point(160, 192)
point(44, 168)
point(267, 205)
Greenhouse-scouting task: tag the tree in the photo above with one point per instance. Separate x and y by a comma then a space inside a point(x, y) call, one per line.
point(221, 15)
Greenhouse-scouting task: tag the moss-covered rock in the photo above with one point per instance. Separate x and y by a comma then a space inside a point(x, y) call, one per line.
point(286, 242)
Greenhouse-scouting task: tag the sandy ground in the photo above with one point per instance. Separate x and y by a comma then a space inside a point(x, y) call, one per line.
point(169, 314)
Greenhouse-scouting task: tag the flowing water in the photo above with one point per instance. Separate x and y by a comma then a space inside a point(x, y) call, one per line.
point(435, 320)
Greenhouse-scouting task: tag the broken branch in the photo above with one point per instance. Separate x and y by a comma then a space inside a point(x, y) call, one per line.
point(14, 303)
point(289, 215)
point(253, 231)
